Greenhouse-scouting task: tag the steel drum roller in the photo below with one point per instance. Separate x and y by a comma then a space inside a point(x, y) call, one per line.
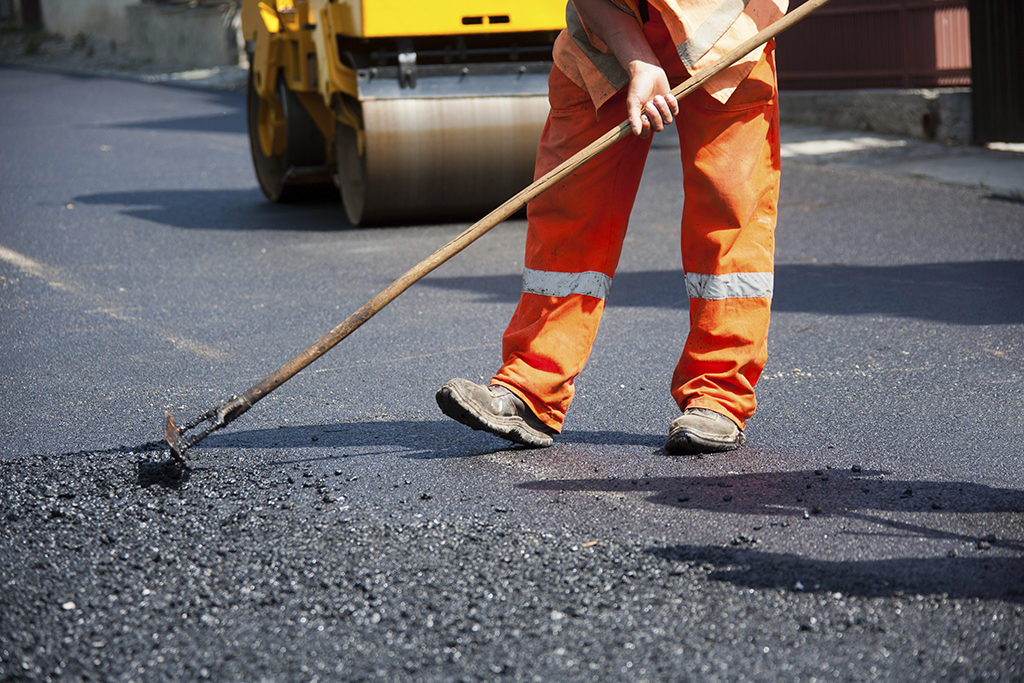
point(451, 157)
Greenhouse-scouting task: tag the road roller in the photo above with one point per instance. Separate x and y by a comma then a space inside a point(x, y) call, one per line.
point(415, 111)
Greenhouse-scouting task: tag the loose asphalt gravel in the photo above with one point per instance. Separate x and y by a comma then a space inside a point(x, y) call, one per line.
point(128, 570)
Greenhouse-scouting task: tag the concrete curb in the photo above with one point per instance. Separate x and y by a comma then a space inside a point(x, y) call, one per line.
point(935, 115)
point(216, 78)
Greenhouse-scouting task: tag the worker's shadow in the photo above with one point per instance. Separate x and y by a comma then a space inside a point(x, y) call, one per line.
point(968, 575)
point(978, 565)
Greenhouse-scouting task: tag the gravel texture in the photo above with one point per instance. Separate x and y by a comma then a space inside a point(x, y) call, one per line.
point(120, 566)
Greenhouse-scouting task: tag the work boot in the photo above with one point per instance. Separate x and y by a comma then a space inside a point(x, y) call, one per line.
point(699, 430)
point(493, 409)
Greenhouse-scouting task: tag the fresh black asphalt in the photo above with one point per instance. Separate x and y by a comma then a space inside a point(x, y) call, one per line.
point(343, 529)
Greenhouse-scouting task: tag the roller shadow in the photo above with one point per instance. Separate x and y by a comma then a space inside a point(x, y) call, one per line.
point(319, 210)
point(228, 210)
point(224, 122)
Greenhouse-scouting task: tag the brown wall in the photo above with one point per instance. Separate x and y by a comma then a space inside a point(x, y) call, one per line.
point(878, 44)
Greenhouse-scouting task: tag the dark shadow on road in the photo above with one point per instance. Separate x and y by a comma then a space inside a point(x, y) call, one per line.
point(829, 493)
point(407, 438)
point(995, 578)
point(225, 122)
point(865, 496)
point(231, 118)
point(1012, 199)
point(421, 440)
point(424, 440)
point(965, 293)
point(239, 210)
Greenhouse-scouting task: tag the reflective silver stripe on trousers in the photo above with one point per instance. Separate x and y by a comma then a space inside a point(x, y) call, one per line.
point(551, 283)
point(730, 286)
point(708, 33)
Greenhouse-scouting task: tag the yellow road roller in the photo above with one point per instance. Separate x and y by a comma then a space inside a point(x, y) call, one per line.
point(414, 110)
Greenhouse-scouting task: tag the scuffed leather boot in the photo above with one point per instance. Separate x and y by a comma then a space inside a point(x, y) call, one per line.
point(493, 409)
point(699, 430)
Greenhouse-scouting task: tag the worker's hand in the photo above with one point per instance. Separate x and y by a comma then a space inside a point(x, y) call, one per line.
point(649, 100)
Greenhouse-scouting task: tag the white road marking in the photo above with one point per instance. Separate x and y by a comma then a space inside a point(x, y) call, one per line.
point(98, 304)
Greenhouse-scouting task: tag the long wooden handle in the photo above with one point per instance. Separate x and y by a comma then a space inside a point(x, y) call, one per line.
point(497, 216)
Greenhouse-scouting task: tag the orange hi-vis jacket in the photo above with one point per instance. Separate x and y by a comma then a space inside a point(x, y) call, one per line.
point(729, 149)
point(702, 31)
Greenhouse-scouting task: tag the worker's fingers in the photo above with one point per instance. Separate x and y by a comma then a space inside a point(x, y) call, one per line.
point(666, 106)
point(638, 120)
point(645, 131)
point(655, 117)
point(673, 104)
point(647, 82)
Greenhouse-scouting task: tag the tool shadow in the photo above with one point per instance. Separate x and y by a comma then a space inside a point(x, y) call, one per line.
point(426, 439)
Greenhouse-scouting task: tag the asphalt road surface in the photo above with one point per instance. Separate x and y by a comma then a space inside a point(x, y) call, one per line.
point(872, 528)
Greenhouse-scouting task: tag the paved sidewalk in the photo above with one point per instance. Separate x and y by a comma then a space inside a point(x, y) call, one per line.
point(998, 168)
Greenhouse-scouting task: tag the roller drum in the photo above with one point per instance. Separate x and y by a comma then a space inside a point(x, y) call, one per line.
point(448, 157)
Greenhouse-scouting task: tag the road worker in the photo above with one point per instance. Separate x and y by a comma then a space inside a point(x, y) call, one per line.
point(619, 59)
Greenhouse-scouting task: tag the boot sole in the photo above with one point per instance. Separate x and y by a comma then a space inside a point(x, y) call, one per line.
point(463, 409)
point(686, 442)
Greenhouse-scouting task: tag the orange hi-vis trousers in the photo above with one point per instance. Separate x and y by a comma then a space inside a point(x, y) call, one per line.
point(731, 168)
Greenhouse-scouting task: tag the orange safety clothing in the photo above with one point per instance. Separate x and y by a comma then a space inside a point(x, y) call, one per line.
point(702, 31)
point(731, 168)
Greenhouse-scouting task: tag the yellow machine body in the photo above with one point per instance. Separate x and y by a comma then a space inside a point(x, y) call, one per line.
point(414, 111)
point(403, 18)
